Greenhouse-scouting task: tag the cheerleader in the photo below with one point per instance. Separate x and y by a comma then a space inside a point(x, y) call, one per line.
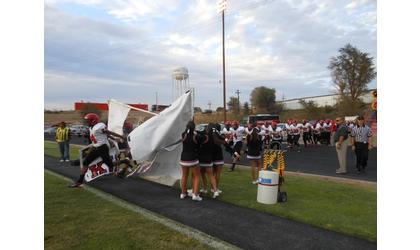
point(254, 143)
point(189, 159)
point(217, 153)
point(205, 156)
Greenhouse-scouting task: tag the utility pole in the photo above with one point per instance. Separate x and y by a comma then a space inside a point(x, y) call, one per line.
point(209, 105)
point(222, 7)
point(239, 103)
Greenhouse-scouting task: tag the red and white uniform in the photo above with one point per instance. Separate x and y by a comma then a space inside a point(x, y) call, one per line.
point(97, 135)
point(327, 127)
point(288, 129)
point(306, 127)
point(295, 128)
point(276, 133)
point(318, 129)
point(237, 134)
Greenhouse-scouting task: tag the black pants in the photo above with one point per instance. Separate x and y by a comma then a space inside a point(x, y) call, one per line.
point(306, 138)
point(101, 151)
point(328, 138)
point(296, 140)
point(317, 138)
point(362, 153)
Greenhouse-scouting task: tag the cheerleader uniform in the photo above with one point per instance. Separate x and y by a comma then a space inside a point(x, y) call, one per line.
point(217, 153)
point(205, 151)
point(189, 155)
point(254, 147)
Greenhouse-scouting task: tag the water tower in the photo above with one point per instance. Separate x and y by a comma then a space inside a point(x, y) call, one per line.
point(180, 82)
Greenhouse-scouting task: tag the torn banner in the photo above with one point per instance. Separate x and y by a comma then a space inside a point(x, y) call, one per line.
point(158, 141)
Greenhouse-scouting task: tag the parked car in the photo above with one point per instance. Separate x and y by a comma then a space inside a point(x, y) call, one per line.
point(50, 130)
point(79, 130)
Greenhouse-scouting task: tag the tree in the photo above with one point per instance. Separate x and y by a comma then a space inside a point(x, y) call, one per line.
point(351, 72)
point(246, 108)
point(263, 99)
point(219, 109)
point(89, 108)
point(233, 105)
point(197, 110)
point(310, 108)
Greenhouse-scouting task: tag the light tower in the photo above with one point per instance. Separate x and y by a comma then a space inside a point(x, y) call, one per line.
point(180, 82)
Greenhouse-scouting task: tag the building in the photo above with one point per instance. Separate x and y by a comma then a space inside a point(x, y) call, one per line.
point(159, 108)
point(322, 100)
point(104, 106)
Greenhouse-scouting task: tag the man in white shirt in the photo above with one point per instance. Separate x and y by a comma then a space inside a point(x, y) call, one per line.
point(99, 137)
point(306, 128)
point(276, 136)
point(295, 129)
point(266, 137)
point(237, 134)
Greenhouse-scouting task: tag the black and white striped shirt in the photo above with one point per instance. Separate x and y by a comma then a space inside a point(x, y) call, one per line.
point(361, 134)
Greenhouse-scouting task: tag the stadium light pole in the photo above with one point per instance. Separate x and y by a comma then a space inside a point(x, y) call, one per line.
point(221, 8)
point(239, 105)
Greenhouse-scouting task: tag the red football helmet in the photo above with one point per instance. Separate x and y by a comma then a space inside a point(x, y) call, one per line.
point(92, 119)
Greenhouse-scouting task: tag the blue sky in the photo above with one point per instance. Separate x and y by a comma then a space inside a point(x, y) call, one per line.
point(126, 50)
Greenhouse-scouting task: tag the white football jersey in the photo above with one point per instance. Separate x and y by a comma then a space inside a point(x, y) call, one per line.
point(295, 129)
point(276, 133)
point(306, 127)
point(97, 135)
point(238, 133)
point(318, 128)
point(327, 127)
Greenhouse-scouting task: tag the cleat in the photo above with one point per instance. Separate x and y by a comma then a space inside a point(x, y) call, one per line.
point(75, 185)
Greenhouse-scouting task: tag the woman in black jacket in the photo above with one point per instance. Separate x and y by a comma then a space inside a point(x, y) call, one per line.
point(254, 143)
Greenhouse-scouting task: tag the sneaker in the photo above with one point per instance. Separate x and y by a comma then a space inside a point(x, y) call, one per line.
point(182, 196)
point(339, 172)
point(75, 185)
point(255, 182)
point(190, 192)
point(215, 194)
point(67, 160)
point(204, 191)
point(218, 190)
point(196, 197)
point(61, 160)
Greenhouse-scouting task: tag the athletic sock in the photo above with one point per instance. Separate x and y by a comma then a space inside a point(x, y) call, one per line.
point(233, 166)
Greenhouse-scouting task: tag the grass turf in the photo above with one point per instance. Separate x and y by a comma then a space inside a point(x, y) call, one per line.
point(345, 208)
point(77, 219)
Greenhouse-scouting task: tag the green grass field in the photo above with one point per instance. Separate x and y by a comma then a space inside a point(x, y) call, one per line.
point(345, 208)
point(78, 219)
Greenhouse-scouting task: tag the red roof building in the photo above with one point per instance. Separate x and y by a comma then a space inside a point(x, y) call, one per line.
point(104, 106)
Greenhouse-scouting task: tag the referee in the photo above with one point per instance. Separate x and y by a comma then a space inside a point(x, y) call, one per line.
point(62, 136)
point(360, 140)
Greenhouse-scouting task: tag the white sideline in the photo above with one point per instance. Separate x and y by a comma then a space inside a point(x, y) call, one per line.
point(183, 229)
